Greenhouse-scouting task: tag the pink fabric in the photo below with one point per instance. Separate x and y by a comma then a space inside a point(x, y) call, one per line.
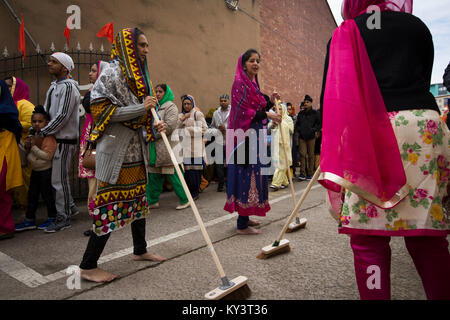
point(21, 91)
point(430, 255)
point(232, 206)
point(83, 172)
point(246, 100)
point(372, 251)
point(358, 144)
point(354, 8)
point(6, 218)
point(398, 233)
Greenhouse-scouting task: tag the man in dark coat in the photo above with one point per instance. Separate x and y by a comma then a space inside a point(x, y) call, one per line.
point(306, 129)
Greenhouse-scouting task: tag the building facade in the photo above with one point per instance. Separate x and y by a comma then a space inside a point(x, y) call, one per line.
point(194, 45)
point(441, 95)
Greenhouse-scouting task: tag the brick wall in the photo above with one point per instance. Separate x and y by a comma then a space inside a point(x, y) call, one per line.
point(293, 39)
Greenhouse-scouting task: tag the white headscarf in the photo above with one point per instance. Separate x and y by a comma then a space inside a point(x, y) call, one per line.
point(65, 60)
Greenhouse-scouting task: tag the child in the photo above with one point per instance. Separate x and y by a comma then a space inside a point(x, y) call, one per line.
point(39, 155)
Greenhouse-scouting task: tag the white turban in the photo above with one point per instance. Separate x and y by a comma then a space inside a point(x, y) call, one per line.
point(65, 60)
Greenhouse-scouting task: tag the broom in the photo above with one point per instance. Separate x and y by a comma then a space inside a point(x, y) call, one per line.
point(282, 245)
point(237, 288)
point(299, 223)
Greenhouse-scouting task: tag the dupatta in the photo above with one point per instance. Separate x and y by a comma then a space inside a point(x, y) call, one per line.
point(246, 100)
point(359, 148)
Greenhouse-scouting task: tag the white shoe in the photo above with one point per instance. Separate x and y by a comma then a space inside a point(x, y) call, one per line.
point(154, 206)
point(183, 206)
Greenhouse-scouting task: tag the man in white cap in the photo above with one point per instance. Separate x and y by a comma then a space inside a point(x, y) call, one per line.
point(62, 101)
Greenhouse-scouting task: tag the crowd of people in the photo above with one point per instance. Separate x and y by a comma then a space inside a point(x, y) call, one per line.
point(378, 139)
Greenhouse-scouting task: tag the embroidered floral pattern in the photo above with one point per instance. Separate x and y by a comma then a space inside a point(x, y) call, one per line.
point(420, 135)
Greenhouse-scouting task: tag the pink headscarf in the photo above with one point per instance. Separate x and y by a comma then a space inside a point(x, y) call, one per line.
point(246, 100)
point(20, 90)
point(354, 8)
point(359, 148)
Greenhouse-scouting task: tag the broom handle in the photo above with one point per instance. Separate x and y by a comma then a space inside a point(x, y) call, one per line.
point(299, 204)
point(286, 157)
point(191, 201)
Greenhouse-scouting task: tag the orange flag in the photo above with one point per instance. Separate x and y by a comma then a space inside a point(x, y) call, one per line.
point(22, 38)
point(107, 31)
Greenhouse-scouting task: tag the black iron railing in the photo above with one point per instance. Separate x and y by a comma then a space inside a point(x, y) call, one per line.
point(33, 70)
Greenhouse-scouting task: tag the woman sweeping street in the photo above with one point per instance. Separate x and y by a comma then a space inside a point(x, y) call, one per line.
point(385, 150)
point(121, 109)
point(247, 187)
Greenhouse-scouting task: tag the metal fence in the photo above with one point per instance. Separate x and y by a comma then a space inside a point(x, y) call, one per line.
point(33, 70)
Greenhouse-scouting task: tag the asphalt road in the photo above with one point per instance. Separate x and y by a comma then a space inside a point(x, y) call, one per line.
point(319, 267)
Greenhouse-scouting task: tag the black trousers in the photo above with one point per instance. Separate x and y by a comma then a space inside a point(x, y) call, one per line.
point(220, 170)
point(41, 184)
point(96, 245)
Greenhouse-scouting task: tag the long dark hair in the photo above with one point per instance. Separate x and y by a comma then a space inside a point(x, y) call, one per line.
point(247, 56)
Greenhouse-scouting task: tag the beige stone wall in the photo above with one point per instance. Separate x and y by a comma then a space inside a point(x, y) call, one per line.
point(195, 44)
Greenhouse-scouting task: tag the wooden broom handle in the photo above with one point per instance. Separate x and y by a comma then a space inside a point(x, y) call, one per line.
point(286, 155)
point(191, 201)
point(299, 204)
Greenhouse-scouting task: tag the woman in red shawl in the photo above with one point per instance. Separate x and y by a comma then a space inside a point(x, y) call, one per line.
point(247, 185)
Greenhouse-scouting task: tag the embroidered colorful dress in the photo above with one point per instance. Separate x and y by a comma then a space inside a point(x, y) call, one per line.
point(423, 141)
point(124, 82)
point(247, 187)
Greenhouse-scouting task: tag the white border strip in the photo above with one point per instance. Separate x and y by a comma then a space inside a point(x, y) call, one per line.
point(33, 279)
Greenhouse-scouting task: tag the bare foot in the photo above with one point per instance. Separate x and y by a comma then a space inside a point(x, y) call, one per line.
point(249, 230)
point(148, 257)
point(254, 223)
point(97, 275)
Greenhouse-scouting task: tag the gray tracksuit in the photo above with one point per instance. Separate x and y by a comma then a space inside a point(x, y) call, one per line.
point(62, 103)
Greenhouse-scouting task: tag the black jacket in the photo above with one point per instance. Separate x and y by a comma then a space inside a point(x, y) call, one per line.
point(447, 77)
point(308, 123)
point(401, 54)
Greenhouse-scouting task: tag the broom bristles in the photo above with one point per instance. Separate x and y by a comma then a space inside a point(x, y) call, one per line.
point(242, 293)
point(262, 255)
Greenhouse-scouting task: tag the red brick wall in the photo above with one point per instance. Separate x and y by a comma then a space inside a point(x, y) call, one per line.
point(294, 35)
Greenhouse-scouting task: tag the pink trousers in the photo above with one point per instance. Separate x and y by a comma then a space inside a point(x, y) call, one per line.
point(6, 218)
point(372, 258)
